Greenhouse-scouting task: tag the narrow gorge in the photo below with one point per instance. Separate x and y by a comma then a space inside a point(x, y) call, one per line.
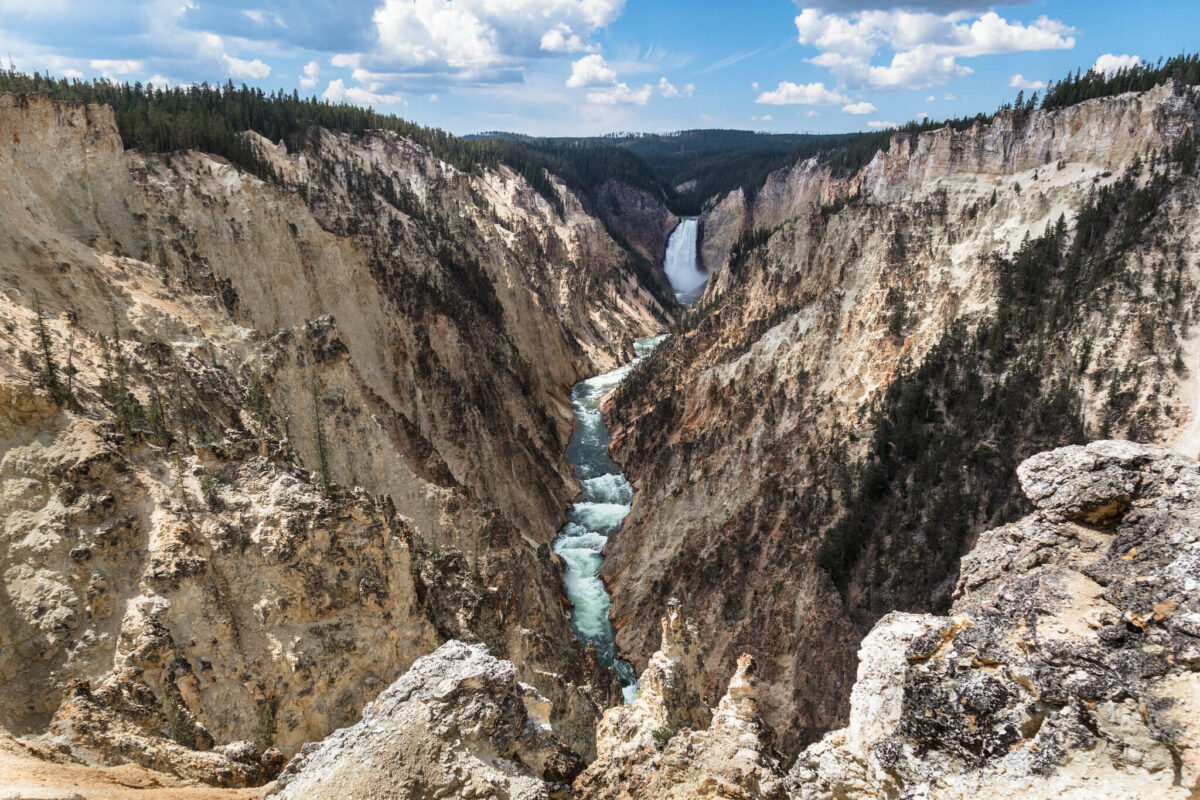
point(606, 494)
point(342, 457)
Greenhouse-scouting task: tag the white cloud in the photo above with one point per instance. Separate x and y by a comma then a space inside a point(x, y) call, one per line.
point(812, 113)
point(878, 123)
point(930, 98)
point(255, 14)
point(75, 74)
point(922, 115)
point(110, 67)
point(926, 47)
point(338, 92)
point(754, 86)
point(473, 35)
point(763, 118)
point(250, 70)
point(312, 74)
point(560, 39)
point(669, 89)
point(158, 81)
point(620, 94)
point(1108, 63)
point(591, 70)
point(859, 108)
point(433, 98)
point(809, 94)
point(1019, 81)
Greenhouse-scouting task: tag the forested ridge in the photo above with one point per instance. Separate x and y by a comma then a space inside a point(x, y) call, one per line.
point(212, 119)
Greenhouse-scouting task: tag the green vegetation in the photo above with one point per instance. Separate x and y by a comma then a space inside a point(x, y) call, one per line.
point(178, 719)
point(47, 369)
point(265, 728)
point(320, 441)
point(211, 119)
point(1183, 69)
point(948, 435)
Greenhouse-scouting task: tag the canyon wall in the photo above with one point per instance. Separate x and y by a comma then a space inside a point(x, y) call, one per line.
point(266, 443)
point(845, 410)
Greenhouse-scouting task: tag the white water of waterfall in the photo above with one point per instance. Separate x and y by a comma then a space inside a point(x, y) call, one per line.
point(686, 278)
point(596, 515)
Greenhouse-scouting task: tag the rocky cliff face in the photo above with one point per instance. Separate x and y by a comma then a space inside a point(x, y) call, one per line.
point(264, 444)
point(1069, 665)
point(846, 410)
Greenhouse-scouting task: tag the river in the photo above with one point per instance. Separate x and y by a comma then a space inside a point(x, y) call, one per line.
point(606, 495)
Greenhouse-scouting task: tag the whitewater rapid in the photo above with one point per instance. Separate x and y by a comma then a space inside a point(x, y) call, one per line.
point(606, 497)
point(596, 515)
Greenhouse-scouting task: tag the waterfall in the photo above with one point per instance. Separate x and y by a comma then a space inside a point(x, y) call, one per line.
point(596, 515)
point(686, 278)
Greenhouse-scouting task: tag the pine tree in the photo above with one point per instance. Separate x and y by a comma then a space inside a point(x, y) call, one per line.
point(47, 374)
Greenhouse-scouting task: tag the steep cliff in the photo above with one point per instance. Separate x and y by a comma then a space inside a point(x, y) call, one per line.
point(844, 411)
point(265, 443)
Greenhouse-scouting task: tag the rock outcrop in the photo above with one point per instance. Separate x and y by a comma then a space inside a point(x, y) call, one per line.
point(1069, 666)
point(668, 744)
point(457, 724)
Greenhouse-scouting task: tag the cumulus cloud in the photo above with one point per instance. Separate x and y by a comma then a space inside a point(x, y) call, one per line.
point(620, 94)
point(249, 70)
point(110, 67)
point(560, 39)
point(763, 118)
point(339, 92)
point(669, 89)
point(157, 81)
point(471, 35)
point(859, 108)
point(808, 94)
point(878, 123)
point(1108, 63)
point(1019, 81)
point(591, 70)
point(926, 46)
point(312, 74)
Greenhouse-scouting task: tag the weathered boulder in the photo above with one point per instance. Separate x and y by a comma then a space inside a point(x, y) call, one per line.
point(457, 724)
point(1070, 664)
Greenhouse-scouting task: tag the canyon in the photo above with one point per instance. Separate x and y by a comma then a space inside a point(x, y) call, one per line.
point(287, 467)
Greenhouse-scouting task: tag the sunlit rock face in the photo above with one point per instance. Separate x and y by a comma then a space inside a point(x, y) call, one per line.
point(876, 369)
point(314, 430)
point(1069, 665)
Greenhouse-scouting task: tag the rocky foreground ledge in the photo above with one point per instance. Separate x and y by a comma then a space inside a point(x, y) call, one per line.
point(1068, 668)
point(1070, 664)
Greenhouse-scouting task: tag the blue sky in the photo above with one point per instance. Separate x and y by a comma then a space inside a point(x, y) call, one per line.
point(564, 67)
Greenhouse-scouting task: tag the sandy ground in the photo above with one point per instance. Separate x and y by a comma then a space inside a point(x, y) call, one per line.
point(24, 776)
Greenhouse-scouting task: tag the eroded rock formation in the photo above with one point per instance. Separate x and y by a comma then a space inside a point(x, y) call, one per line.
point(1069, 665)
point(669, 744)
